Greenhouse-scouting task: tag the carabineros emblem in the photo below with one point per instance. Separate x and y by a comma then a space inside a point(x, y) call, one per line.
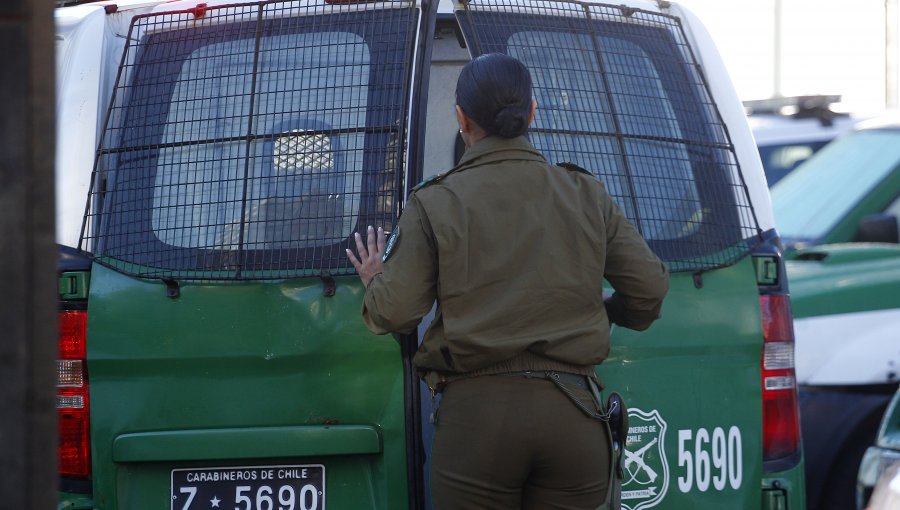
point(645, 468)
point(391, 244)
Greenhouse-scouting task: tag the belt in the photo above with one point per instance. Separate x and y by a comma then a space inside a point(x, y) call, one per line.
point(563, 377)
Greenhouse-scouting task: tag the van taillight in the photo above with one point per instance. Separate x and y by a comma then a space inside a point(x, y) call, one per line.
point(72, 403)
point(781, 423)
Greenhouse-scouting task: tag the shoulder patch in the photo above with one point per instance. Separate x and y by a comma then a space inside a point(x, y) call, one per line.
point(391, 244)
point(430, 180)
point(572, 167)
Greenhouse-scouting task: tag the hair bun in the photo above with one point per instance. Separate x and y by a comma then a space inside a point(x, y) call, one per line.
point(511, 121)
point(494, 91)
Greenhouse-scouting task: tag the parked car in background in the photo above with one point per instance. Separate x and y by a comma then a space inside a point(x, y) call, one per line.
point(838, 216)
point(788, 130)
point(881, 462)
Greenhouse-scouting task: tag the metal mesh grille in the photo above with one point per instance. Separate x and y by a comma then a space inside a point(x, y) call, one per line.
point(620, 94)
point(251, 141)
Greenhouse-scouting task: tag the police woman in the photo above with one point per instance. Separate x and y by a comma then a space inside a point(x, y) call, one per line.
point(513, 249)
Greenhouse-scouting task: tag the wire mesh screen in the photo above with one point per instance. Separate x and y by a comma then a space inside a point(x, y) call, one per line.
point(251, 141)
point(620, 94)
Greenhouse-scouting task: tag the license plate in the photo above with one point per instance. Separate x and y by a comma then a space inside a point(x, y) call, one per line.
point(299, 487)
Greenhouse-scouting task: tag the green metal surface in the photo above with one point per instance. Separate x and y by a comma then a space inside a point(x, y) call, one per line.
point(70, 501)
point(785, 488)
point(276, 373)
point(256, 356)
point(267, 442)
point(698, 367)
point(845, 278)
point(889, 432)
point(774, 499)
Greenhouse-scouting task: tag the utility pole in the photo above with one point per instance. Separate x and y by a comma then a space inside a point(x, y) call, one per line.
point(27, 256)
point(891, 54)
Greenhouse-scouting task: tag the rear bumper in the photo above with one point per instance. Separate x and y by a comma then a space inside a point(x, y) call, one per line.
point(72, 501)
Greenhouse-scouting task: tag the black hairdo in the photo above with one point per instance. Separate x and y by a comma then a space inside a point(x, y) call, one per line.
point(494, 90)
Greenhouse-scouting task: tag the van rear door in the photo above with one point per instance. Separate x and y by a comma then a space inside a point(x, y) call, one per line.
point(620, 93)
point(245, 144)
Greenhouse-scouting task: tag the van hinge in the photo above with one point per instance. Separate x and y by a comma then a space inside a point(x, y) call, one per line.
point(328, 284)
point(775, 498)
point(173, 290)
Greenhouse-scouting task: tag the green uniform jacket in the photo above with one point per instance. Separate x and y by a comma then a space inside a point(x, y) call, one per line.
point(514, 250)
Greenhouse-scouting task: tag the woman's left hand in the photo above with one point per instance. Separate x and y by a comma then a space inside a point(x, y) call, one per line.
point(369, 262)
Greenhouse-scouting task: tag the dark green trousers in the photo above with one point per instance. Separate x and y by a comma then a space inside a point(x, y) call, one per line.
point(508, 442)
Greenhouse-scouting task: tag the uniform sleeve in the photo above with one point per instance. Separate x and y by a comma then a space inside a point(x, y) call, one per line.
point(639, 278)
point(398, 297)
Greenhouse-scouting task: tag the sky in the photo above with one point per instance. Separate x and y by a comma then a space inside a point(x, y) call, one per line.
point(828, 47)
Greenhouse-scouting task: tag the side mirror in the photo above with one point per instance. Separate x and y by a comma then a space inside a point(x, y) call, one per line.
point(878, 228)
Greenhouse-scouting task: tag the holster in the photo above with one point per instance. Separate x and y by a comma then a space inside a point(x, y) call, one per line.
point(617, 429)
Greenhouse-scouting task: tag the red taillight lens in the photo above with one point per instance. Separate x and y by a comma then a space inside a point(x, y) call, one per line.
point(72, 334)
point(72, 403)
point(781, 421)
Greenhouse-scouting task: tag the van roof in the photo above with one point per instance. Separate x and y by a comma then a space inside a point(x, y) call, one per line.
point(648, 5)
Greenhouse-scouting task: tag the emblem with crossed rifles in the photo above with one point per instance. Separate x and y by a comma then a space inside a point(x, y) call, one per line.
point(638, 458)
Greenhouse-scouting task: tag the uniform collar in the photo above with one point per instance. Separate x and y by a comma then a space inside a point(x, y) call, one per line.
point(496, 148)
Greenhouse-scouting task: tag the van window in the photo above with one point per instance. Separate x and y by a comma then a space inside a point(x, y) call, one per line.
point(252, 148)
point(300, 190)
point(619, 95)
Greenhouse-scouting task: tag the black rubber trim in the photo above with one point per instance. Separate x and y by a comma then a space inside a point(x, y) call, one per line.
point(415, 448)
point(72, 259)
point(76, 485)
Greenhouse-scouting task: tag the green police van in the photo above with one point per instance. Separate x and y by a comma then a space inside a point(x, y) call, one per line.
point(215, 160)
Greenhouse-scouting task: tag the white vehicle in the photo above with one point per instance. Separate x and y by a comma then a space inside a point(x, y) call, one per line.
point(788, 130)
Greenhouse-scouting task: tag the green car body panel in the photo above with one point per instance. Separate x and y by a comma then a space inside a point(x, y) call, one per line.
point(223, 374)
point(204, 371)
point(844, 278)
point(330, 392)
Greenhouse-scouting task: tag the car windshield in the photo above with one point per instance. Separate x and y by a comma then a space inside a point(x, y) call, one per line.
point(810, 201)
point(780, 159)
